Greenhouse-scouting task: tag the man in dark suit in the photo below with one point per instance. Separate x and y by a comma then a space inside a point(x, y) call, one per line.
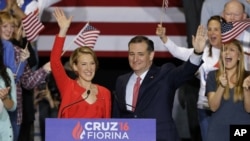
point(157, 87)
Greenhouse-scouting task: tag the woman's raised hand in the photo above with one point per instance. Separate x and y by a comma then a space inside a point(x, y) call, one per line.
point(199, 41)
point(62, 21)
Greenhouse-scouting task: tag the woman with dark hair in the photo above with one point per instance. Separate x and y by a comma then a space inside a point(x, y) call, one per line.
point(7, 98)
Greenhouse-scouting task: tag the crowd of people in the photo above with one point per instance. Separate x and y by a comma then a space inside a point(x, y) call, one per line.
point(147, 91)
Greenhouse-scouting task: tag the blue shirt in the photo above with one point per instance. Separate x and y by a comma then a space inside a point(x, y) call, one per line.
point(9, 60)
point(3, 4)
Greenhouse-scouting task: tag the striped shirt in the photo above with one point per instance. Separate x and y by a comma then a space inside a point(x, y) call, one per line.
point(29, 79)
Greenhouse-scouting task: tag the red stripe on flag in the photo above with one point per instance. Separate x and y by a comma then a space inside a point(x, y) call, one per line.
point(131, 3)
point(233, 29)
point(116, 27)
point(87, 36)
point(32, 26)
point(173, 29)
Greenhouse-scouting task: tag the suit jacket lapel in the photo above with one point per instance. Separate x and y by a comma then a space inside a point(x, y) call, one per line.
point(150, 76)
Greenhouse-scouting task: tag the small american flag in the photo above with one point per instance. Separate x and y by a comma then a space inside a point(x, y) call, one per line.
point(32, 26)
point(233, 29)
point(87, 36)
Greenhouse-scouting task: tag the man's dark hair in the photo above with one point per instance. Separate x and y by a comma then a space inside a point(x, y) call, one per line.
point(140, 39)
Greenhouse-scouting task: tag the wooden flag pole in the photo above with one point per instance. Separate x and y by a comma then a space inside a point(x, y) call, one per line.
point(162, 11)
point(223, 49)
point(21, 61)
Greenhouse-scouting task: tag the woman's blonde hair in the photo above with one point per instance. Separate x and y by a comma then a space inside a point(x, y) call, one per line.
point(6, 17)
point(240, 72)
point(79, 52)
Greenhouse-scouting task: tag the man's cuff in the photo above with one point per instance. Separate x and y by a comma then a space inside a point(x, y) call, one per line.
point(195, 59)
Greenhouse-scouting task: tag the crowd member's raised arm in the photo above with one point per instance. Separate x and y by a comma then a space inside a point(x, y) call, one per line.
point(199, 41)
point(179, 52)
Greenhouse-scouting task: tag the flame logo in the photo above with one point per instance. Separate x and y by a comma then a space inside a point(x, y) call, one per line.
point(77, 131)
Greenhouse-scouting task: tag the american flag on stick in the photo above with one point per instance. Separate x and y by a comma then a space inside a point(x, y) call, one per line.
point(87, 36)
point(32, 26)
point(233, 29)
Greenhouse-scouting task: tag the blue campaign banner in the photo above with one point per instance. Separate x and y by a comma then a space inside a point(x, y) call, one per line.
point(100, 129)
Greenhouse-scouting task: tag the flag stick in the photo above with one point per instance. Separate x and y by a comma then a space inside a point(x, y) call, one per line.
point(18, 68)
point(223, 49)
point(19, 31)
point(74, 38)
point(21, 62)
point(162, 13)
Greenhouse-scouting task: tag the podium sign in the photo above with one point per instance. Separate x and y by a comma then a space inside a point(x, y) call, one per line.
point(100, 129)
